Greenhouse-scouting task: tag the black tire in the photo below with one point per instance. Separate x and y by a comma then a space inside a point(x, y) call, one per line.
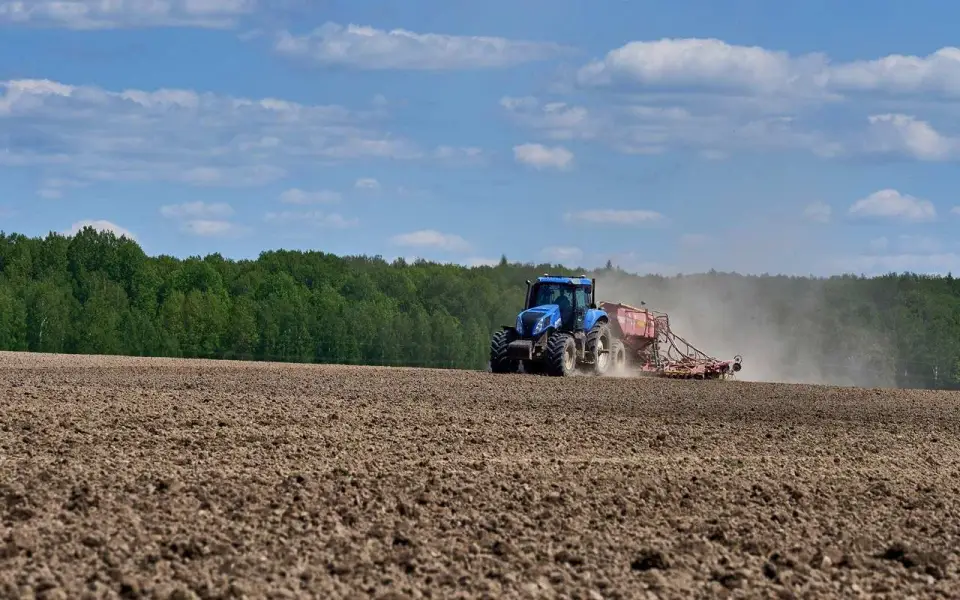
point(561, 355)
point(599, 337)
point(619, 353)
point(499, 362)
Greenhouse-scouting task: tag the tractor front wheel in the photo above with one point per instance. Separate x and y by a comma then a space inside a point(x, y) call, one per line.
point(499, 361)
point(561, 355)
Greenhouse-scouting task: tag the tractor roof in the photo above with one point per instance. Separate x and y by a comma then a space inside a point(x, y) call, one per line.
point(582, 280)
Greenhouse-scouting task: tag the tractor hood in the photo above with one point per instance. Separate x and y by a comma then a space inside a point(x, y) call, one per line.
point(534, 321)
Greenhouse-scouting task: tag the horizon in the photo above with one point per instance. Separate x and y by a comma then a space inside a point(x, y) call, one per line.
point(665, 137)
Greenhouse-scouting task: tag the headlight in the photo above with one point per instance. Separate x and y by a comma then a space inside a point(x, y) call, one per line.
point(539, 326)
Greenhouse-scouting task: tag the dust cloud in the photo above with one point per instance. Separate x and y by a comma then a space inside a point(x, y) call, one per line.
point(777, 324)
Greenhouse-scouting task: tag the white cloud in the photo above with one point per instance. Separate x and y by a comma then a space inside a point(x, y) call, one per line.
point(367, 183)
point(906, 135)
point(562, 254)
point(891, 204)
point(204, 219)
point(212, 228)
point(936, 73)
point(298, 196)
point(106, 14)
point(818, 211)
point(315, 218)
point(715, 98)
point(713, 128)
point(92, 134)
point(679, 63)
point(197, 209)
point(429, 238)
point(369, 48)
point(557, 120)
point(615, 217)
point(694, 63)
point(469, 155)
point(539, 156)
point(100, 225)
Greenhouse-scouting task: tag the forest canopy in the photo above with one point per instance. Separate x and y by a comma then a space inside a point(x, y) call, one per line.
point(95, 293)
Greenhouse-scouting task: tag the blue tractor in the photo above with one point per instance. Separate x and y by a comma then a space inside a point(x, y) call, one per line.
point(560, 331)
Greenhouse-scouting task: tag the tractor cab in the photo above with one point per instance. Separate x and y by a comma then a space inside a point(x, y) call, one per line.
point(571, 296)
point(556, 303)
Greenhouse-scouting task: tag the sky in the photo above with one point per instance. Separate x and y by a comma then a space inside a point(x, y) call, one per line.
point(807, 138)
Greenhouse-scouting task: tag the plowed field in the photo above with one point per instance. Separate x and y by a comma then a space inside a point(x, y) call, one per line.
point(181, 479)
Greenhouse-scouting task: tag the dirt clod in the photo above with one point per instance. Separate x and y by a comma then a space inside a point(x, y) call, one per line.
point(649, 559)
point(928, 562)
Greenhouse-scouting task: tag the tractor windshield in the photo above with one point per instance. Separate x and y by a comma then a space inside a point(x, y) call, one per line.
point(561, 294)
point(552, 293)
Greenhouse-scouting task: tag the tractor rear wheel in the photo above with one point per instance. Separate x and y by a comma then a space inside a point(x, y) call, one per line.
point(499, 361)
point(599, 340)
point(561, 355)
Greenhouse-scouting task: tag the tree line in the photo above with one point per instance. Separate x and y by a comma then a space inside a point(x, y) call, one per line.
point(96, 293)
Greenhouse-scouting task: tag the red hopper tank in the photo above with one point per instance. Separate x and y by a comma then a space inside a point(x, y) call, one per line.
point(651, 347)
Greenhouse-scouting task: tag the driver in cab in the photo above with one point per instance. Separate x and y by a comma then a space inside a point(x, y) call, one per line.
point(566, 306)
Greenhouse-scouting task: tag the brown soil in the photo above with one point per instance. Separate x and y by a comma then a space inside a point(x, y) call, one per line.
point(180, 479)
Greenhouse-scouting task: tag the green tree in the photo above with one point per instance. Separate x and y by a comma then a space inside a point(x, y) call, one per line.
point(98, 328)
point(94, 292)
point(13, 318)
point(49, 310)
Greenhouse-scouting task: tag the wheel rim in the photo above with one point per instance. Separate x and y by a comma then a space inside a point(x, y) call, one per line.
point(602, 356)
point(568, 357)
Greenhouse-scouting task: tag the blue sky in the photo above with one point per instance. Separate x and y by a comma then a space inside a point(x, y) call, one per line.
point(819, 137)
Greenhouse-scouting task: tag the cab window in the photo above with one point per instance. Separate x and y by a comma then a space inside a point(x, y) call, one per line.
point(545, 294)
point(581, 298)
